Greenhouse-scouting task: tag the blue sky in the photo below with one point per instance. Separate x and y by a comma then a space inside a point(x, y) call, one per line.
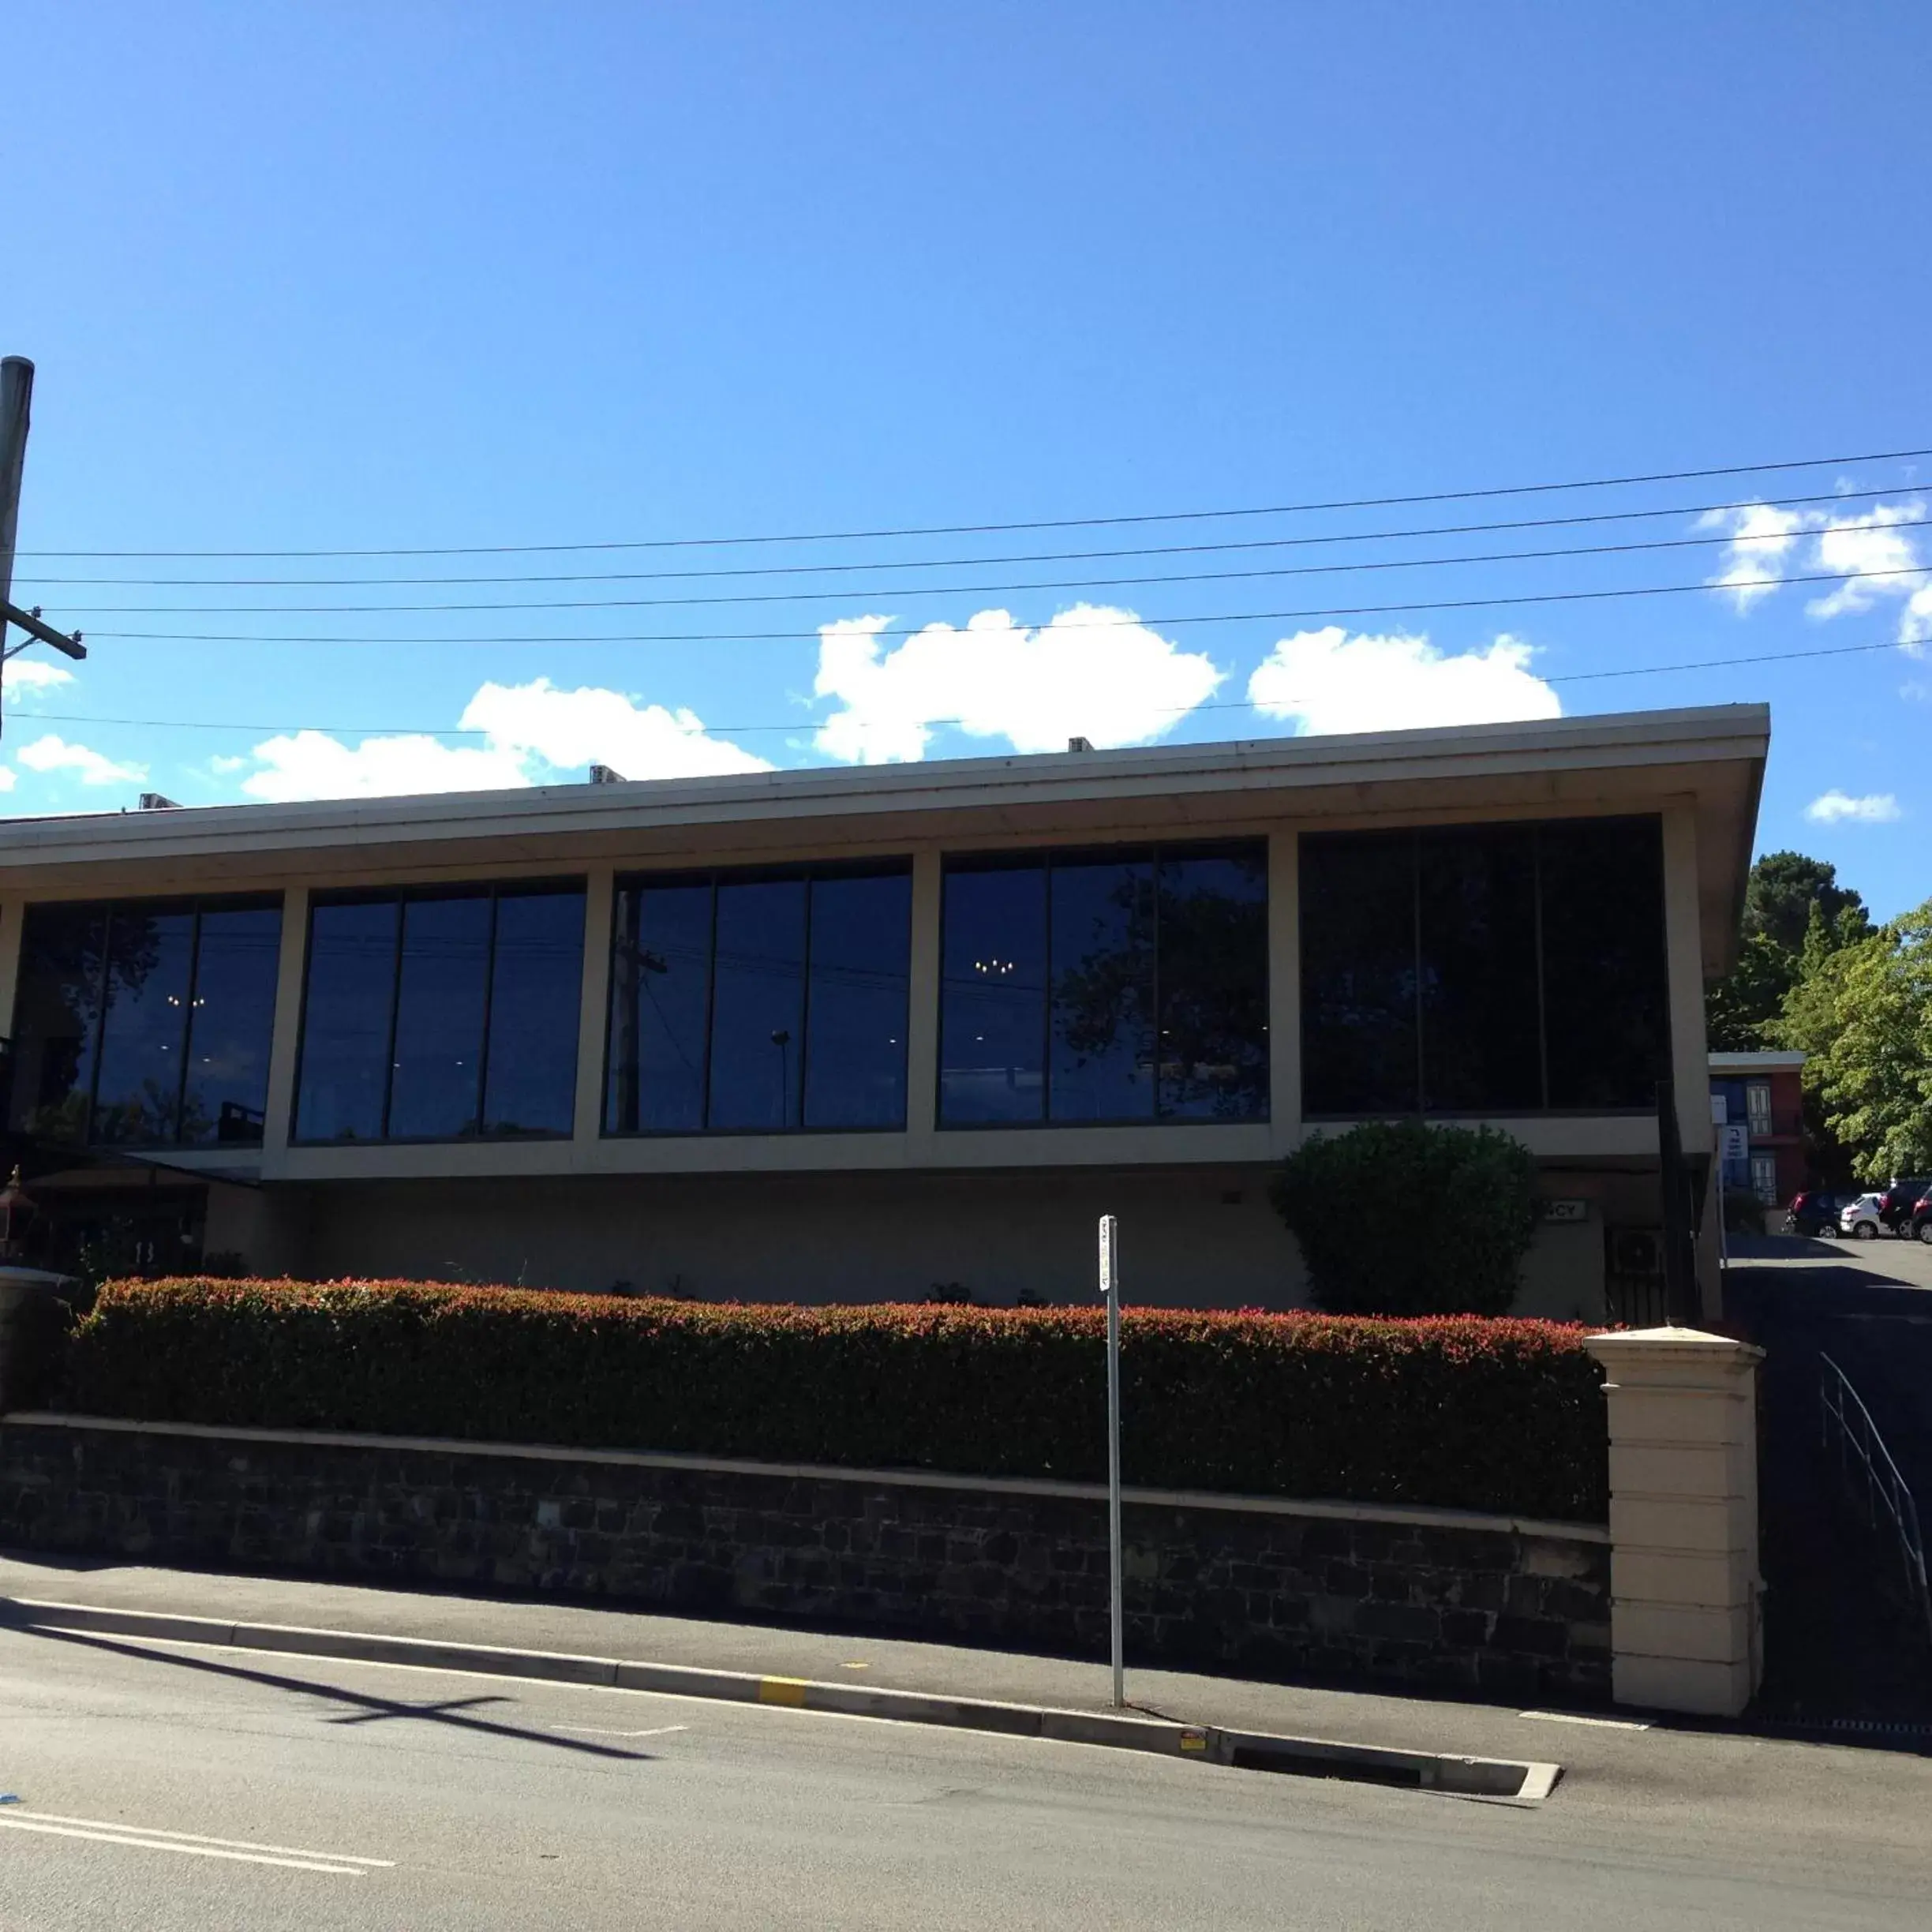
point(316, 278)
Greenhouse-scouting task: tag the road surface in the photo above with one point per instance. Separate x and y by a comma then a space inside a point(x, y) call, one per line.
point(180, 1789)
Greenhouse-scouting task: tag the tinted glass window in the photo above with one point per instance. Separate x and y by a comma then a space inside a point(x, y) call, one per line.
point(757, 1004)
point(1480, 1018)
point(661, 1005)
point(1359, 1048)
point(992, 1012)
point(1604, 985)
point(1214, 1036)
point(1102, 940)
point(145, 1023)
point(57, 1020)
point(1117, 986)
point(144, 1026)
point(230, 1025)
point(1484, 969)
point(345, 1020)
point(536, 983)
point(437, 1076)
point(436, 1015)
point(855, 1006)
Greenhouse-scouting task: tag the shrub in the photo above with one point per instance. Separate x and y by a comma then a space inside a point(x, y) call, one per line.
point(1504, 1416)
point(1405, 1219)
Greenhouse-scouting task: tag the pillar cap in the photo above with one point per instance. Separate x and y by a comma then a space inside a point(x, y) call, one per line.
point(1633, 1346)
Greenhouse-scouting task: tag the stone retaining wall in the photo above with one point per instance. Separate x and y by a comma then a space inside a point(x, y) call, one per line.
point(1420, 1597)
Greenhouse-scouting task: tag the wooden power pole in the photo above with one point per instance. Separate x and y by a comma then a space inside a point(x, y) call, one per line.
point(17, 376)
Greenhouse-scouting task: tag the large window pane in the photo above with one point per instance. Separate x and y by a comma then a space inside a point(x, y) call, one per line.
point(660, 1001)
point(344, 1054)
point(855, 1055)
point(535, 985)
point(1480, 1051)
point(438, 1030)
point(1604, 987)
point(145, 1023)
point(56, 1017)
point(1358, 974)
point(758, 1010)
point(231, 1023)
point(993, 1032)
point(1213, 1035)
point(1102, 957)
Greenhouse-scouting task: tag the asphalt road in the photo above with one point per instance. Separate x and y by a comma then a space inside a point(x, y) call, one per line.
point(184, 1790)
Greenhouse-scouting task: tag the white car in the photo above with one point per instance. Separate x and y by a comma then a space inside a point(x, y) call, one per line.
point(1860, 1219)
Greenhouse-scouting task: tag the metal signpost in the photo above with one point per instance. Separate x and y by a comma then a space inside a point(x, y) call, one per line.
point(1110, 1294)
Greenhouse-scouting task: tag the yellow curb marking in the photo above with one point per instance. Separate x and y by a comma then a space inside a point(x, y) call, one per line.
point(782, 1690)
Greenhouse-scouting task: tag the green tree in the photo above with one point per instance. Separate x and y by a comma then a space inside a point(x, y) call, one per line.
point(1784, 887)
point(1862, 1014)
point(1742, 1009)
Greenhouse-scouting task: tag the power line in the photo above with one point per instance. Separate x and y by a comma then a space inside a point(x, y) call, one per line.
point(805, 724)
point(1035, 556)
point(879, 594)
point(982, 529)
point(1124, 622)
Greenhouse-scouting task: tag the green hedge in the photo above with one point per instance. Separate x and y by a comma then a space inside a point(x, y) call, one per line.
point(1460, 1412)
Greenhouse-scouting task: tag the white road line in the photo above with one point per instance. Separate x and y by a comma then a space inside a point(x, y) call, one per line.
point(232, 1844)
point(600, 1730)
point(174, 1844)
point(1595, 1724)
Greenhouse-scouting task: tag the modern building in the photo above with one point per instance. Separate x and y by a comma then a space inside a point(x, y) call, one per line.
point(879, 1032)
point(1762, 1095)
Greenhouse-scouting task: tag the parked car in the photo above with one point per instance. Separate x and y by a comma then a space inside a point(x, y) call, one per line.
point(1860, 1219)
point(1812, 1213)
point(1896, 1203)
point(1919, 1226)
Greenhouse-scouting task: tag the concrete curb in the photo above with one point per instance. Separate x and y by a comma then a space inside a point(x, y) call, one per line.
point(1497, 1780)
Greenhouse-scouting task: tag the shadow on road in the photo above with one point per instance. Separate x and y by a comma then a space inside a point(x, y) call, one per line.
point(1841, 1642)
point(366, 1709)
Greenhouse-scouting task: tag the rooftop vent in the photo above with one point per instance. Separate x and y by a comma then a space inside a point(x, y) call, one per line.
point(153, 801)
point(1079, 744)
point(602, 774)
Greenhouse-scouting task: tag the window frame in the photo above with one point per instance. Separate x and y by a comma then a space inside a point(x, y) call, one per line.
point(897, 866)
point(1415, 834)
point(195, 905)
point(562, 886)
point(1023, 857)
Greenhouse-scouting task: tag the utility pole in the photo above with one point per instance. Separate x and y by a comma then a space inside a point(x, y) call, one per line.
point(17, 376)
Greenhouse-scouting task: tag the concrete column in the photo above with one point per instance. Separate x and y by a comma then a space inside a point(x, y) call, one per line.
point(1284, 968)
point(922, 1014)
point(1690, 1055)
point(1683, 1518)
point(594, 999)
point(285, 1042)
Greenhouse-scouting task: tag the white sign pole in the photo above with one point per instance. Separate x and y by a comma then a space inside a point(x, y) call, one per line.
point(1110, 1294)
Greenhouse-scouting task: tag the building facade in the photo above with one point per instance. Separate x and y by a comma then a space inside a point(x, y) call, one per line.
point(882, 1032)
point(1761, 1094)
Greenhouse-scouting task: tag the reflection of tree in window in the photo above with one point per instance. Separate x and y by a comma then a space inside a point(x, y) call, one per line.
point(145, 1023)
point(1213, 1034)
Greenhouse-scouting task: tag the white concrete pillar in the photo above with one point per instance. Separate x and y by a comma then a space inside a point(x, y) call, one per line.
point(285, 1039)
point(593, 1004)
point(1684, 1584)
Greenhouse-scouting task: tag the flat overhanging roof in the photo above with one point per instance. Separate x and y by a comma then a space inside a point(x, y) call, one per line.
point(1711, 758)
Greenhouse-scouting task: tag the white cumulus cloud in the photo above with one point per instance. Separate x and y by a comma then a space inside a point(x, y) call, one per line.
point(1761, 539)
point(566, 729)
point(8, 778)
point(533, 733)
point(52, 753)
point(22, 676)
point(1879, 540)
point(1835, 807)
point(1092, 671)
point(1332, 681)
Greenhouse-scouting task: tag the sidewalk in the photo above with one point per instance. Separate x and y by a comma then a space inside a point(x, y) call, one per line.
point(1608, 1748)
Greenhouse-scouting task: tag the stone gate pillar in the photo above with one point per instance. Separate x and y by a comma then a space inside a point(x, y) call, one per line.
point(1684, 1586)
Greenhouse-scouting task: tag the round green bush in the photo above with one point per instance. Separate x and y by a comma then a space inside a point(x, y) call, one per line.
point(1405, 1218)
